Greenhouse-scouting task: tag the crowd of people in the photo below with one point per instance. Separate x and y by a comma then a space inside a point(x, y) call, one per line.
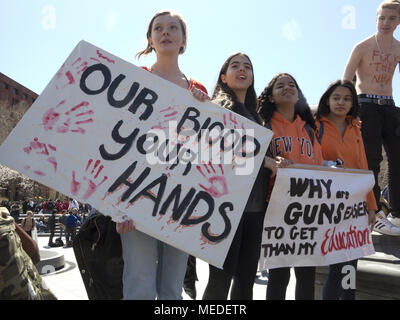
point(335, 133)
point(155, 270)
point(43, 216)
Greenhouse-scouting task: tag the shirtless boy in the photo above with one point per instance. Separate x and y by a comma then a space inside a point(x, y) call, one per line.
point(374, 61)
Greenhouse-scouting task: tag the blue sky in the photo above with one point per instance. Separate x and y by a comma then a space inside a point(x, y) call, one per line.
point(311, 39)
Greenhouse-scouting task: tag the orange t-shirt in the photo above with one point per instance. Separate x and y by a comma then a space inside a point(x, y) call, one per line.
point(193, 83)
point(349, 148)
point(291, 141)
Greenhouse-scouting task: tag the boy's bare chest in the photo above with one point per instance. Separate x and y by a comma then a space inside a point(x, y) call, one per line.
point(378, 61)
point(378, 67)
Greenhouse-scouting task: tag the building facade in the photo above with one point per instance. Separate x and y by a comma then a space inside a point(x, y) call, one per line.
point(15, 100)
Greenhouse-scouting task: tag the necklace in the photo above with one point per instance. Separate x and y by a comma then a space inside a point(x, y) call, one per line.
point(379, 47)
point(187, 80)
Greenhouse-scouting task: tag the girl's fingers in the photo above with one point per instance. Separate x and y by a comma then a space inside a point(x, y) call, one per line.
point(283, 163)
point(131, 225)
point(200, 95)
point(126, 226)
point(119, 227)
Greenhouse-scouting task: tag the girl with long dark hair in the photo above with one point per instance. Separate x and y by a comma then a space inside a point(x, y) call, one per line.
point(235, 91)
point(285, 110)
point(341, 142)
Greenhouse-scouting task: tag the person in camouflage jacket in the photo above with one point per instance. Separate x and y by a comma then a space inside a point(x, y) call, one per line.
point(19, 279)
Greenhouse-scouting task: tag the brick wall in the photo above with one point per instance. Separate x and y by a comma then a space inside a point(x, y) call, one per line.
point(15, 100)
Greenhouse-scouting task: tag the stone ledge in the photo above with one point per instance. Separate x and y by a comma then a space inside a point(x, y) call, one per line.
point(378, 275)
point(50, 261)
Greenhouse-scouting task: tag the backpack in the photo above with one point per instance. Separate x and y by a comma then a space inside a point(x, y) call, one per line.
point(57, 243)
point(98, 252)
point(320, 132)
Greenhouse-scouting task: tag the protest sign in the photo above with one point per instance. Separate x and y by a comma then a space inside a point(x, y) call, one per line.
point(317, 216)
point(136, 146)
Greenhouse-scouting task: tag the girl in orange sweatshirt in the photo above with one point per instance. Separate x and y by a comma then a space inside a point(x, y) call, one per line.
point(341, 141)
point(285, 110)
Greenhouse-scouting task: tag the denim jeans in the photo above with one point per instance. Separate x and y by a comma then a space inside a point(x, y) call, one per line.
point(152, 269)
point(381, 126)
point(333, 287)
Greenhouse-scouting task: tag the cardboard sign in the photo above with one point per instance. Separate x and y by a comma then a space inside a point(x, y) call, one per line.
point(136, 146)
point(317, 216)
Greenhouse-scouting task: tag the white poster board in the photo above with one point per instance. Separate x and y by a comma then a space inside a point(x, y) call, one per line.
point(317, 216)
point(101, 131)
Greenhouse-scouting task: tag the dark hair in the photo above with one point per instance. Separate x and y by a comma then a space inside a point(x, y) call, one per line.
point(226, 97)
point(323, 107)
point(149, 49)
point(266, 108)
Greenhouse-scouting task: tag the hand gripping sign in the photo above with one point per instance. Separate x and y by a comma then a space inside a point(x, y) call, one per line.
point(133, 145)
point(317, 216)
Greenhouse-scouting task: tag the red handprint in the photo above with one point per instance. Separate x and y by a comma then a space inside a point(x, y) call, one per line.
point(67, 75)
point(218, 186)
point(41, 149)
point(101, 56)
point(92, 186)
point(235, 135)
point(232, 120)
point(64, 119)
point(167, 115)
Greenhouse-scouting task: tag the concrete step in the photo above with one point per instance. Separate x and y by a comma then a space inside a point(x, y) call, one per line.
point(378, 275)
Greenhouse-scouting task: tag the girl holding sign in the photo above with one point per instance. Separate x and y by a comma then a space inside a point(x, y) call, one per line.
point(153, 269)
point(235, 91)
point(285, 110)
point(341, 141)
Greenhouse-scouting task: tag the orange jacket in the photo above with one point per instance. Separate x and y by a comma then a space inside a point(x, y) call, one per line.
point(291, 141)
point(349, 148)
